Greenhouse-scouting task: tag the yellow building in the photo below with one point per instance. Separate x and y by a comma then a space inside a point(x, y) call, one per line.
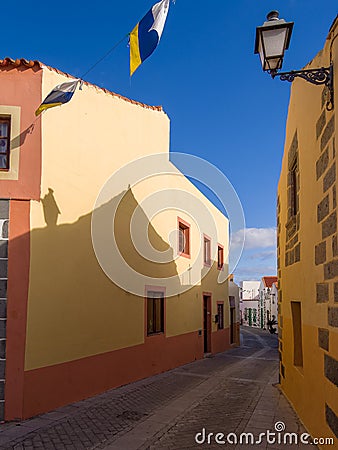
point(85, 313)
point(308, 251)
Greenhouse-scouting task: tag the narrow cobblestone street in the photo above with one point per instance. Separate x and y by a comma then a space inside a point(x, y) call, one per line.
point(232, 392)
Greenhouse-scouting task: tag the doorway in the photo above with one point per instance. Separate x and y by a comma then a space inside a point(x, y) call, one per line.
point(232, 304)
point(207, 323)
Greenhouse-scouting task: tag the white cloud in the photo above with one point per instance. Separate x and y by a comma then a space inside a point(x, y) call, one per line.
point(259, 257)
point(262, 256)
point(254, 273)
point(255, 238)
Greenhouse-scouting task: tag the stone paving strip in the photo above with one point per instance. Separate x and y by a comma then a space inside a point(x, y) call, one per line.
point(242, 399)
point(229, 392)
point(253, 407)
point(181, 414)
point(87, 423)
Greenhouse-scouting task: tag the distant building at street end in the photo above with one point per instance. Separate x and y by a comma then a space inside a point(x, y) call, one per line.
point(274, 300)
point(308, 250)
point(268, 301)
point(249, 303)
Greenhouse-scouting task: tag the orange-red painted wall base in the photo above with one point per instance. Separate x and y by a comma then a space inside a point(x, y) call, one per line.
point(50, 387)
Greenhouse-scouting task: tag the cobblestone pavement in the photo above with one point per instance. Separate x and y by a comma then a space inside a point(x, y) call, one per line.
point(231, 392)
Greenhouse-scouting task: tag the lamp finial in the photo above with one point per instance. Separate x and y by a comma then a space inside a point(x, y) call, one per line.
point(273, 15)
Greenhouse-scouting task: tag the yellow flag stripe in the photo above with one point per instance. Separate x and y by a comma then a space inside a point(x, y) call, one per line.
point(46, 106)
point(135, 57)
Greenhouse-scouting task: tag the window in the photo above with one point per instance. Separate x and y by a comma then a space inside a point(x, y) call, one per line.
point(220, 257)
point(207, 251)
point(5, 127)
point(155, 312)
point(296, 310)
point(220, 312)
point(183, 238)
point(294, 189)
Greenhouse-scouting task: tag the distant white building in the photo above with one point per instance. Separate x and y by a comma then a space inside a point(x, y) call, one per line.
point(274, 300)
point(268, 301)
point(249, 303)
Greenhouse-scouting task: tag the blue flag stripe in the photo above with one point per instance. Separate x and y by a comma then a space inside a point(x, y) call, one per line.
point(58, 97)
point(148, 40)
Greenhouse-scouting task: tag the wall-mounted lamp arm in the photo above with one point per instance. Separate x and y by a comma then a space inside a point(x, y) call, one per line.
point(323, 75)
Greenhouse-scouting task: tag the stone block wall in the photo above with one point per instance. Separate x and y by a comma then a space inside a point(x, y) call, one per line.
point(4, 225)
point(326, 251)
point(292, 247)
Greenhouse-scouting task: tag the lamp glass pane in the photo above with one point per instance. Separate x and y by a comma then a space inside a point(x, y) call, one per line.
point(261, 51)
point(274, 42)
point(273, 64)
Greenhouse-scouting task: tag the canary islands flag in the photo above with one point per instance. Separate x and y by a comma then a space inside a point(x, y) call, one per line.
point(61, 94)
point(147, 34)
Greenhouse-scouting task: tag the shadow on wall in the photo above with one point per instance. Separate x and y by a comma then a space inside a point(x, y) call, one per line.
point(20, 139)
point(74, 308)
point(75, 311)
point(50, 208)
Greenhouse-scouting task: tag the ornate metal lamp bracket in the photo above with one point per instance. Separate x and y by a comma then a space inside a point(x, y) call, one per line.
point(324, 75)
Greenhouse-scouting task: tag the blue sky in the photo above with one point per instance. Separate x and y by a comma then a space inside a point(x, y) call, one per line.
point(222, 107)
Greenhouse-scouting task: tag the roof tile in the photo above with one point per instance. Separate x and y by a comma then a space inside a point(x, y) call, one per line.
point(22, 62)
point(268, 281)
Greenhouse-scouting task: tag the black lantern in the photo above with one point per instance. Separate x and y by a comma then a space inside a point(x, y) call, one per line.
point(272, 39)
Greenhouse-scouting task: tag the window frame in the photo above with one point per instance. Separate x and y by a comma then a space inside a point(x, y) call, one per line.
point(206, 261)
point(220, 266)
point(8, 120)
point(185, 227)
point(160, 292)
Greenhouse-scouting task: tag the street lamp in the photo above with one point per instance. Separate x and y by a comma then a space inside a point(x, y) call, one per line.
point(272, 39)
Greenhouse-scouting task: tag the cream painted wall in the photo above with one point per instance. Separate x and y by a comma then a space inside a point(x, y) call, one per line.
point(74, 310)
point(86, 140)
point(203, 218)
